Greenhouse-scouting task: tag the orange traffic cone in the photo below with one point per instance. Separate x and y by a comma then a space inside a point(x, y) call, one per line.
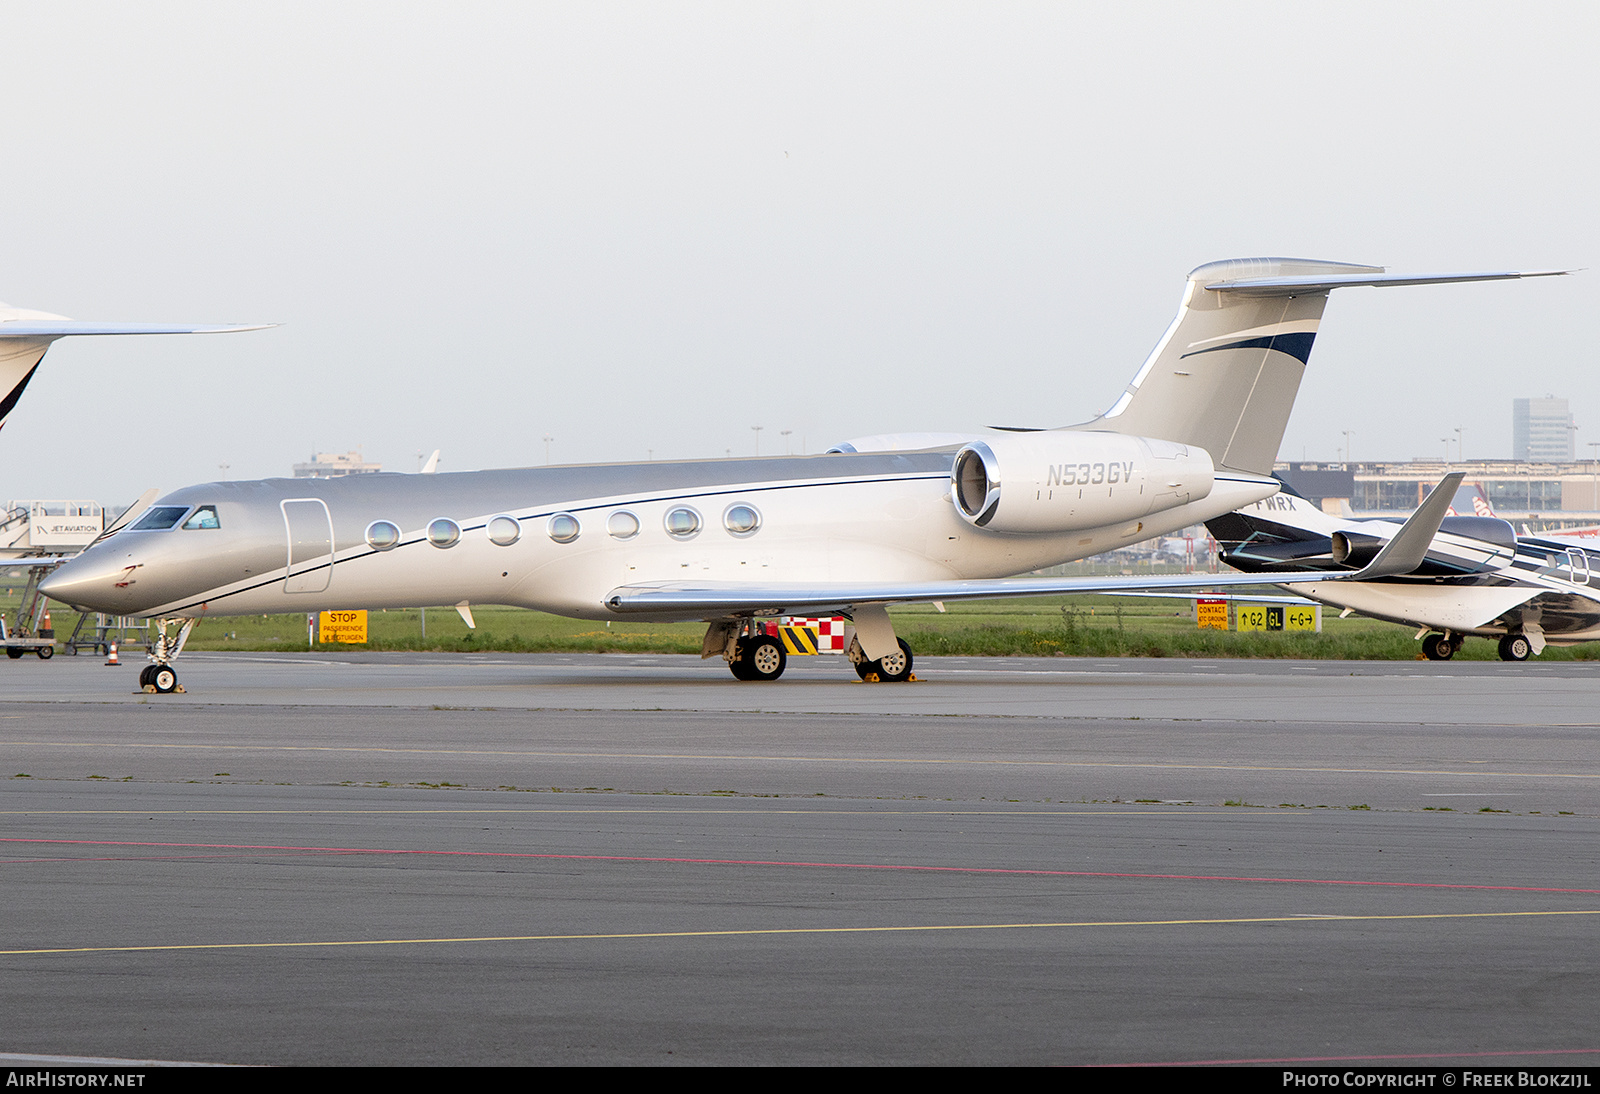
point(112, 660)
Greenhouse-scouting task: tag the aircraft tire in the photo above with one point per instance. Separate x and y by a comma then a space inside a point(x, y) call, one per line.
point(1515, 647)
point(164, 679)
point(144, 674)
point(896, 668)
point(46, 652)
point(766, 658)
point(1437, 647)
point(858, 660)
point(741, 667)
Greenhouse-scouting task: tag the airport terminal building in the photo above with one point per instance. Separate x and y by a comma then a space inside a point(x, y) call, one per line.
point(1546, 494)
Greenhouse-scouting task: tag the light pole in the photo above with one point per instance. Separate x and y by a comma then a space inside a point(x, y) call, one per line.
point(1348, 457)
point(1461, 447)
point(784, 433)
point(547, 440)
point(758, 429)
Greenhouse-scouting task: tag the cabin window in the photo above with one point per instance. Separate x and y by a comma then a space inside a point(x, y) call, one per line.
point(382, 535)
point(160, 518)
point(564, 528)
point(622, 524)
point(204, 517)
point(504, 530)
point(741, 520)
point(682, 522)
point(444, 532)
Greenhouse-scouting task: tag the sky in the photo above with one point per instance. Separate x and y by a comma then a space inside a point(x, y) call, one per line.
point(643, 229)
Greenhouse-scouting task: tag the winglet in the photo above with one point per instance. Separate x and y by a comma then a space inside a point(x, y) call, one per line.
point(1407, 550)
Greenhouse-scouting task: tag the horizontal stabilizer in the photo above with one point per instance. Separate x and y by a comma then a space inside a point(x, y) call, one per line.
point(1294, 286)
point(1407, 550)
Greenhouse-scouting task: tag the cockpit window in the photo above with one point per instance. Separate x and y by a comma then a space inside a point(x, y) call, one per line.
point(204, 517)
point(160, 518)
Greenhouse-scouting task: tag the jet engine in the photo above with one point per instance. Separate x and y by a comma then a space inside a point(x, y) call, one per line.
point(1495, 541)
point(1061, 480)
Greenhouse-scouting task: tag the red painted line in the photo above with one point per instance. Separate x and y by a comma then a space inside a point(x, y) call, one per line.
point(989, 870)
point(1361, 1059)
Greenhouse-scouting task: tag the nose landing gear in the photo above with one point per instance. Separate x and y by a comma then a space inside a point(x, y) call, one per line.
point(159, 676)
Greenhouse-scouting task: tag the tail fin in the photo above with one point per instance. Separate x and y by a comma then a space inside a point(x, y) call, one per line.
point(1225, 375)
point(26, 335)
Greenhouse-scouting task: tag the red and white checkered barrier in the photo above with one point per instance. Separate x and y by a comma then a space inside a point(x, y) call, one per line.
point(830, 631)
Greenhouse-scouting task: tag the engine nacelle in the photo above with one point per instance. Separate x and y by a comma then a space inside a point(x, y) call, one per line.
point(1059, 480)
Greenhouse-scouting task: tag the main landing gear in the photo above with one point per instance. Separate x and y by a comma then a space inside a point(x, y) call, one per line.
point(159, 676)
point(893, 669)
point(1515, 647)
point(753, 654)
point(758, 657)
point(1440, 647)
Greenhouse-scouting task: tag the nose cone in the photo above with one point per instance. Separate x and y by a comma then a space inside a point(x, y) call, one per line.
point(99, 580)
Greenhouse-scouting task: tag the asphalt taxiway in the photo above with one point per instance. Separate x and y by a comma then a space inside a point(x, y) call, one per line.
point(562, 859)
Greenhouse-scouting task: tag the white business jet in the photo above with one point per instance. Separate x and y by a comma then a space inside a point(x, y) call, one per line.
point(880, 521)
point(1477, 577)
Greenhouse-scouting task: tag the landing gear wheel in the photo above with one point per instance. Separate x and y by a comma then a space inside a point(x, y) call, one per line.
point(896, 668)
point(164, 679)
point(144, 675)
point(858, 659)
point(1438, 647)
point(45, 652)
point(741, 667)
point(765, 658)
point(1515, 647)
point(14, 653)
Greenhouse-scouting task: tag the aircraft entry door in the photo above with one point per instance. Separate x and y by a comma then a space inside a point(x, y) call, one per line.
point(309, 527)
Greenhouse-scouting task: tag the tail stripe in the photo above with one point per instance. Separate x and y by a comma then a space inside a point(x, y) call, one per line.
point(1296, 344)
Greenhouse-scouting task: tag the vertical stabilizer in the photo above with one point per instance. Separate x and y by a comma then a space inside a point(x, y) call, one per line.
point(1226, 373)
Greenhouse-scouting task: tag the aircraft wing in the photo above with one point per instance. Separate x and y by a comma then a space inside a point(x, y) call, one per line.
point(62, 328)
point(738, 598)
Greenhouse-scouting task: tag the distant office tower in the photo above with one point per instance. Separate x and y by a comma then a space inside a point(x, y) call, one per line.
point(1541, 429)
